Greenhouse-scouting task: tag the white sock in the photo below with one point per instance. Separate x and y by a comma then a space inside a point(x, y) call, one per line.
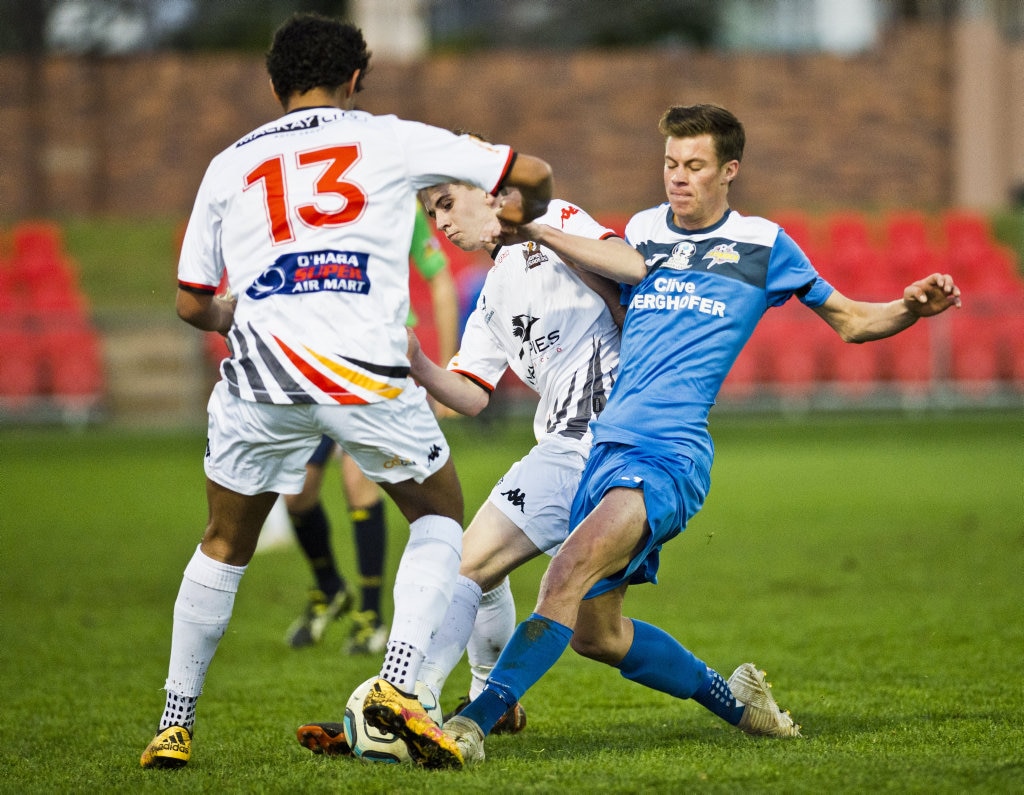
point(201, 614)
point(449, 642)
point(495, 623)
point(423, 590)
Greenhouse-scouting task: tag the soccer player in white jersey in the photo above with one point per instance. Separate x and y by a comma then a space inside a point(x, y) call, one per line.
point(312, 215)
point(702, 276)
point(558, 330)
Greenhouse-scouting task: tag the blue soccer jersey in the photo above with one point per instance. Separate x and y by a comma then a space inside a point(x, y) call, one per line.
point(688, 319)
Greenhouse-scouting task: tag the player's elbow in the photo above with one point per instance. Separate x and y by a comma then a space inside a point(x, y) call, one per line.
point(474, 403)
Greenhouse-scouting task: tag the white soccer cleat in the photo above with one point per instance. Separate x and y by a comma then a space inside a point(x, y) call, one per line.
point(468, 736)
point(762, 716)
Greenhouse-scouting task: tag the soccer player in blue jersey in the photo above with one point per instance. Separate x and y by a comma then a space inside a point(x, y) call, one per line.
point(700, 276)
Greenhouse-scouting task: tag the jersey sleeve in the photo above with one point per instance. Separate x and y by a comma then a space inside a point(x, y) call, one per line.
point(435, 155)
point(576, 221)
point(200, 264)
point(480, 357)
point(790, 273)
point(427, 255)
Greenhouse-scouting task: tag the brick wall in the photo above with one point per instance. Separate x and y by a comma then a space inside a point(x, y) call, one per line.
point(134, 135)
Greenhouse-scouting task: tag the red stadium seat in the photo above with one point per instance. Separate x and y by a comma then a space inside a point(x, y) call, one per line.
point(856, 370)
point(908, 248)
point(849, 258)
point(976, 259)
point(37, 238)
point(799, 226)
point(792, 340)
point(909, 357)
point(21, 373)
point(74, 363)
point(976, 349)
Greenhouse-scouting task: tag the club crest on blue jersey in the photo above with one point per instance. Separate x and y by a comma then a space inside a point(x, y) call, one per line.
point(679, 259)
point(313, 272)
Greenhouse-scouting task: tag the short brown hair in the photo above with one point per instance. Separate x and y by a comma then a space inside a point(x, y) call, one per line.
point(689, 121)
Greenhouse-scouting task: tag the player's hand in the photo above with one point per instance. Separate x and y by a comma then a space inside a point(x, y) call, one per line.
point(414, 344)
point(931, 295)
point(224, 306)
point(519, 234)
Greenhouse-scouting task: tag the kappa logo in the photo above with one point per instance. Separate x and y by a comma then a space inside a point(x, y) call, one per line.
point(567, 213)
point(680, 258)
point(435, 451)
point(517, 497)
point(723, 252)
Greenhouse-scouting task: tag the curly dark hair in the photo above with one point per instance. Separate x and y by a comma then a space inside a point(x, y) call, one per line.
point(312, 51)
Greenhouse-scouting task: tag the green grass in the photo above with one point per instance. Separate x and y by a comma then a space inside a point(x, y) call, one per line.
point(125, 262)
point(872, 564)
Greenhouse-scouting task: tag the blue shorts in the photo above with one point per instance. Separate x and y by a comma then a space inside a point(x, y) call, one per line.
point(674, 491)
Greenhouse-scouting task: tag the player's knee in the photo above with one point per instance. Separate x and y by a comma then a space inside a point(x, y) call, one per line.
point(594, 647)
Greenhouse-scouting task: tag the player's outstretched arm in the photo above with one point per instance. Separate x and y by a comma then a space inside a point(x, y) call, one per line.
point(446, 387)
point(863, 321)
point(205, 311)
point(612, 258)
point(606, 288)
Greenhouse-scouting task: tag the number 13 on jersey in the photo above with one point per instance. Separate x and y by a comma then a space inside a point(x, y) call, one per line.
point(333, 162)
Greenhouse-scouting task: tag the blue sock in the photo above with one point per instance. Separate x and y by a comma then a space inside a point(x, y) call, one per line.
point(659, 661)
point(715, 695)
point(534, 647)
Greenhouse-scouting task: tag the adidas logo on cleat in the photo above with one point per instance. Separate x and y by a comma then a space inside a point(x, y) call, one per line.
point(170, 748)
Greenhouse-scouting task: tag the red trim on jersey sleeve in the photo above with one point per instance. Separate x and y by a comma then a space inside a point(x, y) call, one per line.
point(504, 172)
point(607, 235)
point(193, 287)
point(488, 388)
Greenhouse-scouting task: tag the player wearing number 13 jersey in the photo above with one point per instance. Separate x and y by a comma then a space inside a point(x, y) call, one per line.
point(311, 215)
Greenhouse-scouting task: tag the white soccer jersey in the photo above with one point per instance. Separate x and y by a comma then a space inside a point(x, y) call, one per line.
point(312, 217)
point(537, 316)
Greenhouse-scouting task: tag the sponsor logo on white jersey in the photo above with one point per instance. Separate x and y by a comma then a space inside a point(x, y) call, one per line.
point(313, 272)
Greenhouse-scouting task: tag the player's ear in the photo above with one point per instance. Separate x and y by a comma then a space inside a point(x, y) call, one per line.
point(731, 169)
point(273, 91)
point(350, 86)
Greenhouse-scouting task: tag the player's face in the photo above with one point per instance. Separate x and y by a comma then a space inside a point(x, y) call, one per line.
point(461, 212)
point(696, 185)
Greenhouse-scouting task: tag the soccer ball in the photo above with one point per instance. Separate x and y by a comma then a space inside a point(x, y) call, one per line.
point(373, 745)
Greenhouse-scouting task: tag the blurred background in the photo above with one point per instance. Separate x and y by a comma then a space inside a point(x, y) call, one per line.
point(886, 137)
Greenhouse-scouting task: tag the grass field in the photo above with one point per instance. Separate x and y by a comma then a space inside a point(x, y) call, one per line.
point(873, 565)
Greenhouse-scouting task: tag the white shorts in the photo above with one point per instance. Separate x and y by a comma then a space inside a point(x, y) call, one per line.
point(257, 447)
point(537, 492)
